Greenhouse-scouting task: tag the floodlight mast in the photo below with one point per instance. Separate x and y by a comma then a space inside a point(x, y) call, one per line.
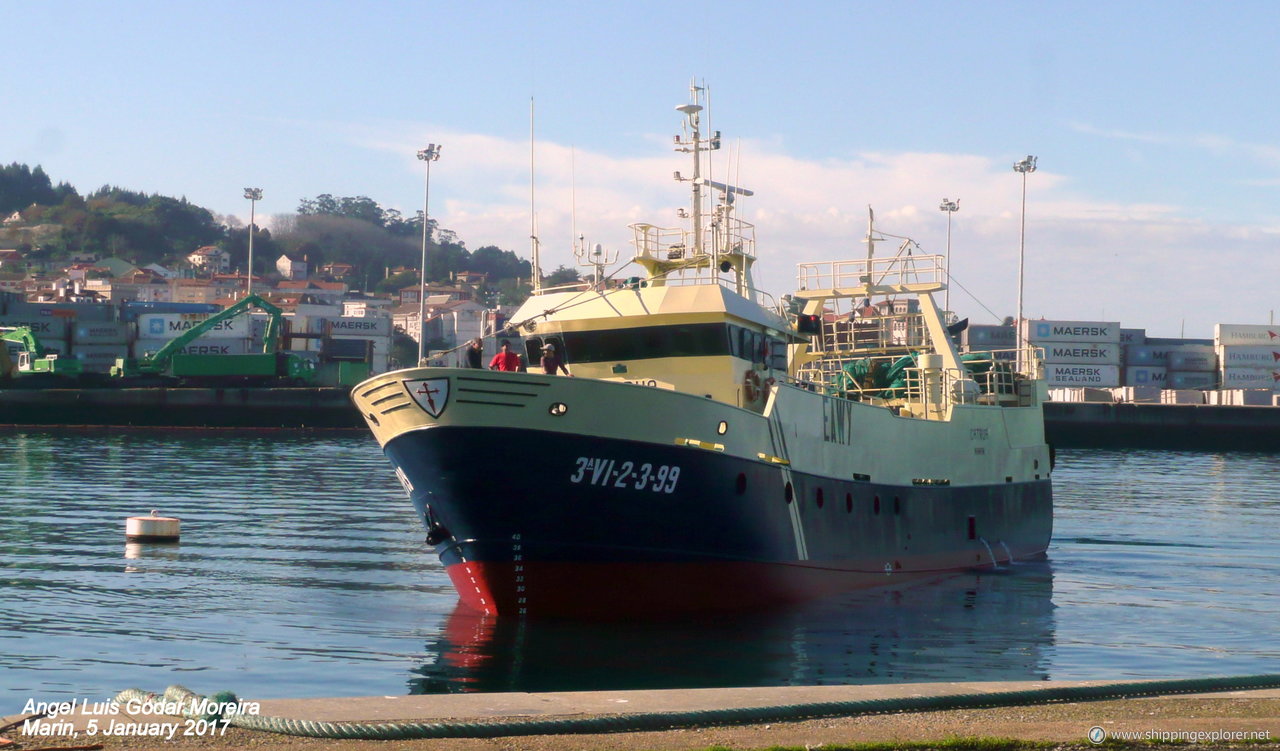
point(428, 155)
point(950, 207)
point(254, 195)
point(1024, 167)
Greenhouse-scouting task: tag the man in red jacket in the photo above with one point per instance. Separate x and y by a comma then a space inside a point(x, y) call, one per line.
point(505, 359)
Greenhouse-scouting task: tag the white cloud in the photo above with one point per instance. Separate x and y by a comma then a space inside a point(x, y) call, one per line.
point(1147, 265)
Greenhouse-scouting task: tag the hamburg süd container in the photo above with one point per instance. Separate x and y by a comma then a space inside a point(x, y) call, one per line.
point(1249, 356)
point(1192, 358)
point(1250, 378)
point(1191, 380)
point(1227, 334)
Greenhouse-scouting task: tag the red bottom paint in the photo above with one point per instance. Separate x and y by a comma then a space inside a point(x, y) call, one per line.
point(610, 590)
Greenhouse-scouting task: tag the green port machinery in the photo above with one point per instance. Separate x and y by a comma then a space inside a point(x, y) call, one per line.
point(270, 365)
point(33, 358)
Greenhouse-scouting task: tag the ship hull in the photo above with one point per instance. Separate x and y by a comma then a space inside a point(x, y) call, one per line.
point(538, 522)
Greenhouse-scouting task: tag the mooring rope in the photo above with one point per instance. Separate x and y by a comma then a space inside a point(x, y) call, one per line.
point(647, 721)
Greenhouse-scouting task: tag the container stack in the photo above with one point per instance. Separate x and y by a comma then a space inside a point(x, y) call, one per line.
point(229, 337)
point(1171, 364)
point(349, 338)
point(1248, 356)
point(1077, 353)
point(97, 345)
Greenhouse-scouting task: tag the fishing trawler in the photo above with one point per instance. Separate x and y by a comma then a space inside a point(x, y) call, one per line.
point(714, 449)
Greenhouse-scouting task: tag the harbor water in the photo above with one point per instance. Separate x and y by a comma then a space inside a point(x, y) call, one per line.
point(302, 572)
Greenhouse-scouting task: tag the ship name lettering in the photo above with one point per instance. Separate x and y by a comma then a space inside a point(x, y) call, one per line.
point(837, 421)
point(979, 434)
point(626, 475)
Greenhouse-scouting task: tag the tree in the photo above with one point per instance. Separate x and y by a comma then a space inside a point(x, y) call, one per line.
point(397, 282)
point(562, 275)
point(498, 263)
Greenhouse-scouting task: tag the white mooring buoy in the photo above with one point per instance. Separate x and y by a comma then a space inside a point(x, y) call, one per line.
point(154, 528)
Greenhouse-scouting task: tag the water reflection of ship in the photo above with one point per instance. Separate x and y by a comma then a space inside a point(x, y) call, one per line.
point(974, 626)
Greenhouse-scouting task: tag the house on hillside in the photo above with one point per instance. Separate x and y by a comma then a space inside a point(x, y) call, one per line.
point(291, 269)
point(140, 285)
point(329, 293)
point(204, 290)
point(115, 266)
point(11, 259)
point(337, 270)
point(210, 259)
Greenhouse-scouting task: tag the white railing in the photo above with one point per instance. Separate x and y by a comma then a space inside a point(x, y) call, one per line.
point(992, 379)
point(895, 271)
point(677, 244)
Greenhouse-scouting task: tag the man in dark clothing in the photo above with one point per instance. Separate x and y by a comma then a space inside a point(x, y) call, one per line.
point(475, 354)
point(505, 359)
point(551, 362)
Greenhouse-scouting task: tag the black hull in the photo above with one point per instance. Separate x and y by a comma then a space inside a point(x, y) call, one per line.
point(535, 522)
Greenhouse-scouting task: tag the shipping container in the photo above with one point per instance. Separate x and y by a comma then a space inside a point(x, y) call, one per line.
point(1249, 356)
point(1250, 378)
point(1192, 358)
point(1098, 376)
point(1177, 341)
point(99, 358)
point(102, 332)
point(80, 311)
point(171, 325)
point(989, 337)
point(200, 346)
point(1072, 331)
point(1191, 380)
point(1145, 375)
point(1146, 354)
point(1181, 396)
point(48, 329)
point(131, 309)
point(345, 326)
point(1079, 352)
point(1137, 394)
point(1228, 334)
point(1133, 336)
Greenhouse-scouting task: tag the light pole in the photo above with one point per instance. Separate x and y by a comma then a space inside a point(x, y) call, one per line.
point(428, 155)
point(1025, 166)
point(254, 195)
point(950, 207)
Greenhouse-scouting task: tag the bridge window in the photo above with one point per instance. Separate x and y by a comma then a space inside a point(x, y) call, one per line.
point(647, 342)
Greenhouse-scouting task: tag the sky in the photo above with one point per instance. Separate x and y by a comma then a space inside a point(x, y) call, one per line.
point(1154, 123)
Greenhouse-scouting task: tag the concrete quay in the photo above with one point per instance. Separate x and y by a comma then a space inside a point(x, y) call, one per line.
point(1253, 716)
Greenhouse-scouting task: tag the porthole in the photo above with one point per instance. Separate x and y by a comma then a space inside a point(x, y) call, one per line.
point(818, 498)
point(558, 409)
point(722, 428)
point(373, 419)
point(788, 493)
point(740, 485)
